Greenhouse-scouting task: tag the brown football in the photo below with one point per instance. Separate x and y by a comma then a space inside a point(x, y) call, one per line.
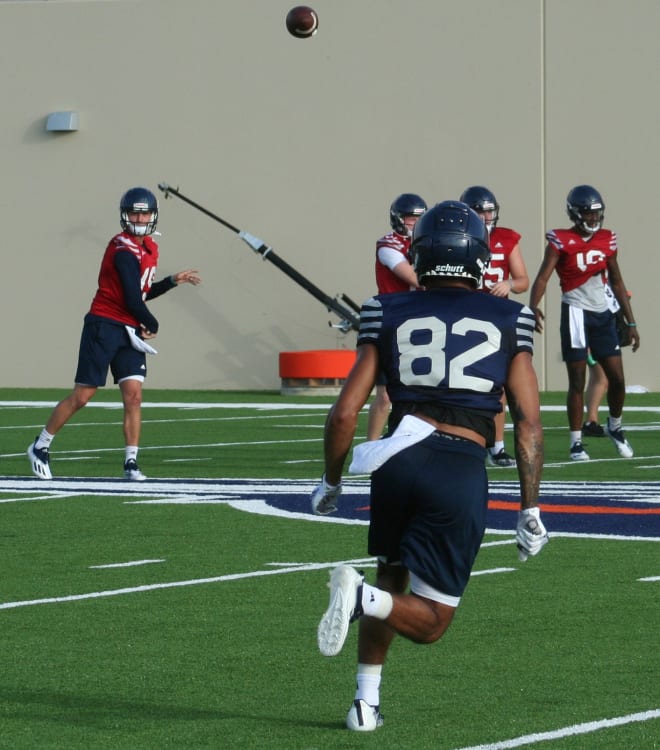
point(302, 21)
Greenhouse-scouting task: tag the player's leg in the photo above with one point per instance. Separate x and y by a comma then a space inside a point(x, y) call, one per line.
point(39, 451)
point(94, 356)
point(131, 393)
point(428, 510)
point(576, 372)
point(496, 455)
point(594, 394)
point(574, 342)
point(605, 345)
point(129, 370)
point(379, 411)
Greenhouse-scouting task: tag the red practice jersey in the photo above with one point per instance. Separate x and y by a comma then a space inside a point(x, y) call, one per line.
point(502, 241)
point(109, 299)
point(580, 257)
point(386, 281)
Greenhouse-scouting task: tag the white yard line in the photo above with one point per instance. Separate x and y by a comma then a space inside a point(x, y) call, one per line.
point(570, 731)
point(277, 569)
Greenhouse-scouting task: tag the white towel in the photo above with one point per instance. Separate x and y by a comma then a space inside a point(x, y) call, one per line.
point(369, 456)
point(576, 326)
point(138, 343)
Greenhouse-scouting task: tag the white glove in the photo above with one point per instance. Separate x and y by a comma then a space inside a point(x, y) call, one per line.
point(531, 534)
point(324, 498)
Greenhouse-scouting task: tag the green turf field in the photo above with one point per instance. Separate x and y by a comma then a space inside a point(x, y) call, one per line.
point(179, 620)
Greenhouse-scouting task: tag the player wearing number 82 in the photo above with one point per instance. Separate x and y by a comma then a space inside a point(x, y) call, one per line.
point(447, 353)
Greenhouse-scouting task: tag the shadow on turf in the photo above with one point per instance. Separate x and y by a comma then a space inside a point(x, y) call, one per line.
point(61, 707)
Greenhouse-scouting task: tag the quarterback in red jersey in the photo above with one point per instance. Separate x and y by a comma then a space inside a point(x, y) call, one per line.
point(506, 273)
point(115, 329)
point(394, 273)
point(584, 256)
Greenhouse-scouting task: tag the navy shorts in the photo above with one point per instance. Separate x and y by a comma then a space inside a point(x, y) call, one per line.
point(104, 344)
point(428, 510)
point(598, 331)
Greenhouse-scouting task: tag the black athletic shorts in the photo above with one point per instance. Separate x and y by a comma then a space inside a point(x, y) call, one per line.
point(104, 344)
point(428, 510)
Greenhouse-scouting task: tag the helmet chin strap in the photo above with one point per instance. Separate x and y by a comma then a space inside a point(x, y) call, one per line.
point(590, 230)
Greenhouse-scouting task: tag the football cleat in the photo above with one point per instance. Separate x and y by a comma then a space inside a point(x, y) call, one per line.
point(363, 718)
point(502, 459)
point(345, 607)
point(578, 452)
point(620, 443)
point(593, 429)
point(39, 460)
point(132, 471)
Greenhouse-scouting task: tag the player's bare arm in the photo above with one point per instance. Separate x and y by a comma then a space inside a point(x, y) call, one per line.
point(540, 283)
point(406, 273)
point(523, 399)
point(342, 418)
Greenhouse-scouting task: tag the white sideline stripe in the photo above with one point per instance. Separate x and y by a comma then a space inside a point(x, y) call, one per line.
point(248, 405)
point(650, 578)
point(570, 731)
point(125, 564)
point(294, 568)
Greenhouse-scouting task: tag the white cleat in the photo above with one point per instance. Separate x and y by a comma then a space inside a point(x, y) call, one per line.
point(622, 446)
point(39, 461)
point(345, 607)
point(363, 718)
point(578, 452)
point(132, 472)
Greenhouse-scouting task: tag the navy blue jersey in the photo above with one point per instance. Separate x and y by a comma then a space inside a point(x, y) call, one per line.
point(450, 347)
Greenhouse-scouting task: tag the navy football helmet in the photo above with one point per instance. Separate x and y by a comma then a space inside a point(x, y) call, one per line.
point(582, 200)
point(142, 201)
point(407, 204)
point(450, 240)
point(482, 199)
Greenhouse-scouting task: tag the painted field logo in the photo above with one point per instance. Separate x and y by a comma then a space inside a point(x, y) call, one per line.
point(629, 510)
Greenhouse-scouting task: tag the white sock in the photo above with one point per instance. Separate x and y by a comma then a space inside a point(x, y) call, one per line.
point(368, 683)
point(131, 453)
point(376, 602)
point(576, 437)
point(499, 446)
point(44, 440)
point(614, 423)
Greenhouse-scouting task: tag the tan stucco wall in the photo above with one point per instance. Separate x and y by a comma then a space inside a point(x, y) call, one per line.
point(305, 144)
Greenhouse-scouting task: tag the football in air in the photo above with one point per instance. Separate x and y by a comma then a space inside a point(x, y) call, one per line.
point(302, 22)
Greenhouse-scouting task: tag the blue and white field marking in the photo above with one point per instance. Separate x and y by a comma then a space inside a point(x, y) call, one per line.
point(621, 510)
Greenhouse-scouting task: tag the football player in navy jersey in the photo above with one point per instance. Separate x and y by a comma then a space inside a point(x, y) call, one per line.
point(448, 353)
point(126, 280)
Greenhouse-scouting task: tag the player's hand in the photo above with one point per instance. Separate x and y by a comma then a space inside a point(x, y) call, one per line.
point(634, 339)
point(539, 317)
point(324, 498)
point(189, 276)
point(531, 535)
point(145, 333)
